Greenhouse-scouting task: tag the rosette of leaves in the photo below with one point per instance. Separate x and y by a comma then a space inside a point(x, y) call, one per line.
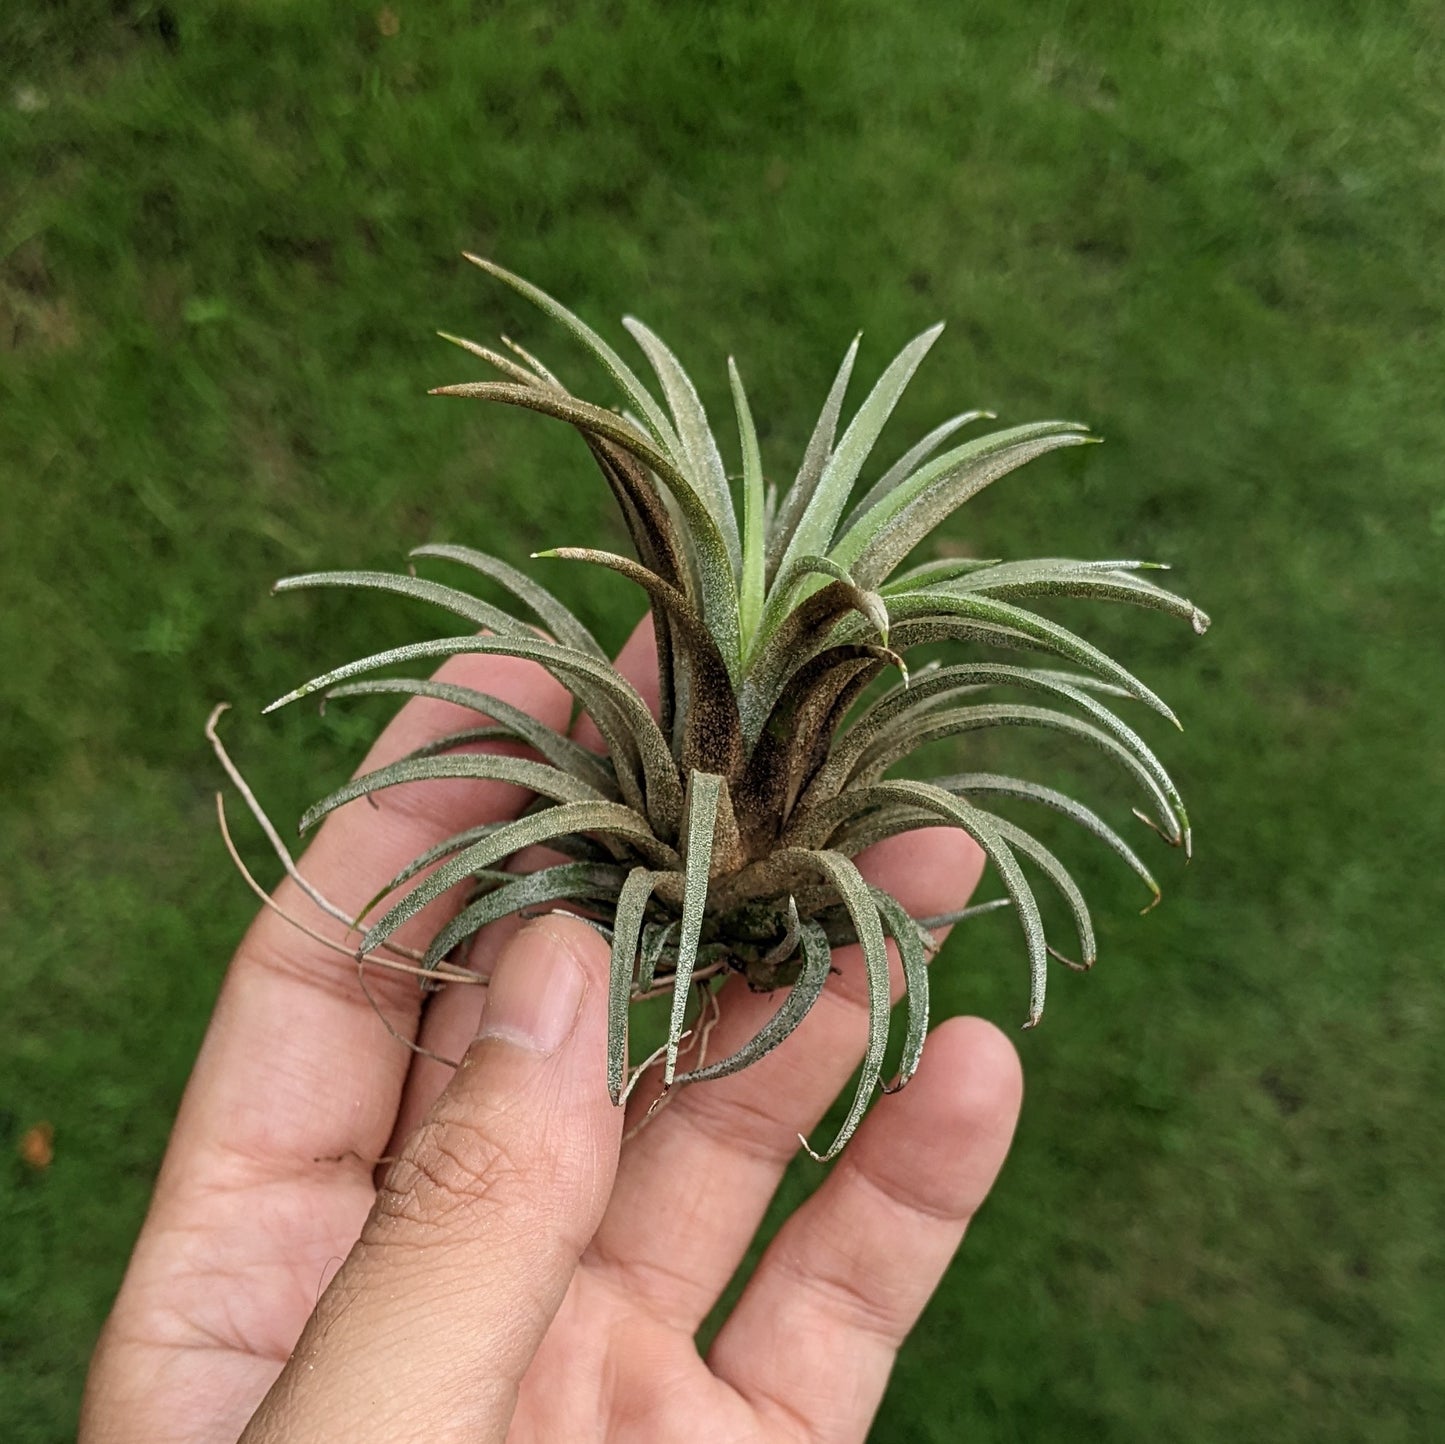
point(718, 835)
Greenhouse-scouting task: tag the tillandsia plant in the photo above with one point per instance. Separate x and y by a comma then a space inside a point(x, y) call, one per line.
point(717, 836)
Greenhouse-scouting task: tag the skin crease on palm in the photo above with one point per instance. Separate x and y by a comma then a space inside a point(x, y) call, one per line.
point(521, 1274)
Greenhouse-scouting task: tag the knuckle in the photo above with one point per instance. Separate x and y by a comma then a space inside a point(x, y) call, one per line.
point(449, 1170)
point(846, 1286)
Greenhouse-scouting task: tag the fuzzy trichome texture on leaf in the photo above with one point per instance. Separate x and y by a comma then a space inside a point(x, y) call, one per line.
point(718, 836)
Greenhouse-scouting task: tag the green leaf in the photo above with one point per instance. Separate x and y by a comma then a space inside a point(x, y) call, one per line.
point(719, 590)
point(911, 954)
point(607, 818)
point(954, 811)
point(984, 784)
point(863, 911)
point(1062, 578)
point(631, 912)
point(817, 961)
point(450, 741)
point(932, 727)
point(934, 573)
point(699, 447)
point(461, 604)
point(530, 360)
point(509, 368)
point(556, 617)
point(868, 603)
point(712, 733)
point(873, 825)
point(577, 847)
point(538, 777)
point(435, 853)
point(754, 560)
point(815, 458)
point(914, 457)
point(636, 393)
point(580, 674)
point(814, 532)
point(656, 939)
point(1049, 635)
point(1057, 874)
point(704, 790)
point(894, 716)
point(560, 751)
point(881, 537)
point(568, 880)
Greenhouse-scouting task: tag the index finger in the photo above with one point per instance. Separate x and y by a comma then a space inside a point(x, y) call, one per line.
point(296, 1065)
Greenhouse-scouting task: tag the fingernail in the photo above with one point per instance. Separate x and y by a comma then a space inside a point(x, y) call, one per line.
point(535, 991)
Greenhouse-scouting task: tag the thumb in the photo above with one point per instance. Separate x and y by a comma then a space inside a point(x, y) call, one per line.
point(426, 1331)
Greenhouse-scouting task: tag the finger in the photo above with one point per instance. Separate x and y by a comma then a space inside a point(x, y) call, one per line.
point(452, 1017)
point(815, 1333)
point(744, 1128)
point(465, 1258)
point(296, 1065)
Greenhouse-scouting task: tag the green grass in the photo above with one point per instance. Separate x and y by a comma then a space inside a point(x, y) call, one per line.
point(226, 235)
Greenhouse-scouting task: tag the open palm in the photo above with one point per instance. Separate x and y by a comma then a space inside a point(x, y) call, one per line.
point(522, 1272)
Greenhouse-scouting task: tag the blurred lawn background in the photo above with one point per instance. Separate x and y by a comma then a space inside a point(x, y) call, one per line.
point(1212, 231)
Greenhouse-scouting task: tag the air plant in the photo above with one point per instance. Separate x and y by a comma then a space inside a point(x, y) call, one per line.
point(717, 837)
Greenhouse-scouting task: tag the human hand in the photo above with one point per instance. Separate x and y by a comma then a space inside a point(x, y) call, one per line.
point(521, 1273)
